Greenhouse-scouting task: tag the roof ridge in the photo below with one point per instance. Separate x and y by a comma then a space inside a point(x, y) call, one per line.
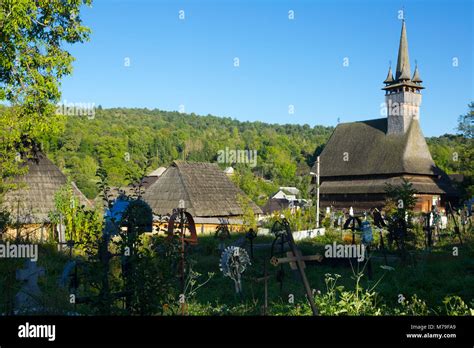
point(185, 186)
point(414, 133)
point(362, 121)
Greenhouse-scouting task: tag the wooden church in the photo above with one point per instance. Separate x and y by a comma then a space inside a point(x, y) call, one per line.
point(360, 158)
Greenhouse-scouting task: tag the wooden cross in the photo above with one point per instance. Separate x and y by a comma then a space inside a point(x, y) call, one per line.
point(282, 231)
point(297, 258)
point(292, 259)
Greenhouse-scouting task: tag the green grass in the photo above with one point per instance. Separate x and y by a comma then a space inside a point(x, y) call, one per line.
point(431, 276)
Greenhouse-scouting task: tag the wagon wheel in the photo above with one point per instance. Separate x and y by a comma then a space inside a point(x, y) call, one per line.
point(181, 224)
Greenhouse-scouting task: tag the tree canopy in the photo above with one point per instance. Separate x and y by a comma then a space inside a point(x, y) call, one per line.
point(121, 140)
point(32, 62)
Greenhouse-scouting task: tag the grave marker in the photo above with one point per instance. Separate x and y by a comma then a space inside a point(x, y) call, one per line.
point(29, 293)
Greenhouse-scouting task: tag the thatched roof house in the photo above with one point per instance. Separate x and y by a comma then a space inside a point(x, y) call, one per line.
point(207, 192)
point(32, 202)
point(360, 158)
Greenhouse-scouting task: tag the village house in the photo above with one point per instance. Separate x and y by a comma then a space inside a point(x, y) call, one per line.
point(29, 205)
point(207, 193)
point(360, 158)
point(285, 198)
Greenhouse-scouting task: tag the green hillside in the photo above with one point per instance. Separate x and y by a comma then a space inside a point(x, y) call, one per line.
point(123, 140)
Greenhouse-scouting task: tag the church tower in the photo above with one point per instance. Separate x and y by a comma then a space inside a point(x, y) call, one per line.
point(402, 93)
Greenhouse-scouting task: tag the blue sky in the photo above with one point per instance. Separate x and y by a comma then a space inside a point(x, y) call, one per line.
point(283, 62)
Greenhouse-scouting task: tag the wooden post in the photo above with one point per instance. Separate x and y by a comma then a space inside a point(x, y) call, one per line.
point(317, 192)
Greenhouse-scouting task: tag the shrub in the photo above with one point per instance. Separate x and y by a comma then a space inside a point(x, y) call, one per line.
point(454, 305)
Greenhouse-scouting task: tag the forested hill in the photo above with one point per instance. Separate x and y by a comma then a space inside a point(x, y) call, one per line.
point(121, 140)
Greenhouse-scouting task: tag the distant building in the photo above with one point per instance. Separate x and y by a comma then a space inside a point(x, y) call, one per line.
point(285, 198)
point(32, 202)
point(289, 193)
point(360, 158)
point(152, 177)
point(207, 192)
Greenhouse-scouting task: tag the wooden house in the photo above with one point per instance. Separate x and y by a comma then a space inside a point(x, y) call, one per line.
point(29, 205)
point(207, 193)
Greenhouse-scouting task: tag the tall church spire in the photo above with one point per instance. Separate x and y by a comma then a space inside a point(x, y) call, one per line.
point(403, 95)
point(403, 62)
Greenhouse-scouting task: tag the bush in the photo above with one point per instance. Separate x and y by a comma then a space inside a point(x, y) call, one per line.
point(454, 305)
point(338, 301)
point(415, 306)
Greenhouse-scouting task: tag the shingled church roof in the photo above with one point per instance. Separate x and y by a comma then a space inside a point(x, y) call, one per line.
point(204, 188)
point(369, 150)
point(34, 199)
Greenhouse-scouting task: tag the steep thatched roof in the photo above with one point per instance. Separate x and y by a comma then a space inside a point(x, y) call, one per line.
point(204, 188)
point(34, 199)
point(369, 150)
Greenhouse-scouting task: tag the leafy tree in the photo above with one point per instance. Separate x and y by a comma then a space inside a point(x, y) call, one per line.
point(249, 220)
point(81, 224)
point(466, 129)
point(400, 205)
point(32, 62)
point(466, 123)
point(454, 153)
